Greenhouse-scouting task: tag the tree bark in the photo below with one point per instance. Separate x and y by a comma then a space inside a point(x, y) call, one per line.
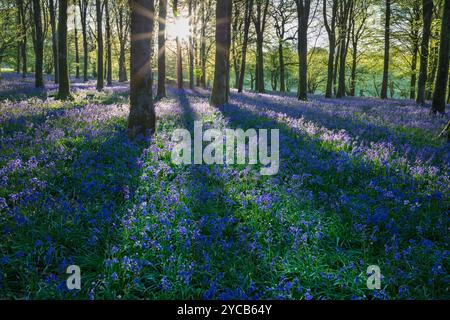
point(260, 26)
point(77, 54)
point(191, 47)
point(248, 19)
point(64, 84)
point(219, 95)
point(303, 10)
point(52, 10)
point(424, 50)
point(99, 14)
point(331, 31)
point(142, 118)
point(443, 65)
point(161, 92)
point(83, 5)
point(38, 45)
point(387, 42)
point(346, 7)
point(108, 46)
point(179, 53)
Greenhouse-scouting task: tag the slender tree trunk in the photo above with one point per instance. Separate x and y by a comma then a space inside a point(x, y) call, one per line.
point(248, 17)
point(64, 84)
point(303, 9)
point(219, 95)
point(203, 46)
point(191, 47)
point(412, 94)
point(346, 7)
point(282, 67)
point(77, 54)
point(23, 40)
point(142, 118)
point(161, 92)
point(331, 31)
point(432, 75)
point(179, 53)
point(387, 43)
point(82, 4)
point(100, 73)
point(38, 45)
point(427, 15)
point(353, 72)
point(108, 46)
point(52, 10)
point(443, 65)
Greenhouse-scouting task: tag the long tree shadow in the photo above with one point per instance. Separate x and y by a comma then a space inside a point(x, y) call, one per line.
point(75, 219)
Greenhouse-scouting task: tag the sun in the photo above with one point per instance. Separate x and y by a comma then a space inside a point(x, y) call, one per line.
point(180, 28)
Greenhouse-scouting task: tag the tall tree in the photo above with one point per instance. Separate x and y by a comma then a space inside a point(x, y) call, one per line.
point(247, 21)
point(427, 16)
point(99, 16)
point(387, 45)
point(179, 55)
point(121, 11)
point(283, 14)
point(83, 6)
point(77, 53)
point(52, 7)
point(142, 118)
point(330, 27)
point(108, 45)
point(38, 45)
point(303, 11)
point(260, 21)
point(358, 30)
point(219, 95)
point(191, 44)
point(346, 8)
point(23, 38)
point(64, 84)
point(440, 86)
point(161, 90)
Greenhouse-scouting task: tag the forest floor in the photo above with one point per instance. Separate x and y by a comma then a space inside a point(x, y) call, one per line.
point(361, 182)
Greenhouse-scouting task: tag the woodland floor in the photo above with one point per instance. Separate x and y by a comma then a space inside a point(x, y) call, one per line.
point(362, 182)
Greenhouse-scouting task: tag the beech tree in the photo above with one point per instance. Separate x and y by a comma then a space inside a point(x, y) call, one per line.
point(387, 44)
point(142, 118)
point(440, 87)
point(64, 84)
point(38, 42)
point(161, 90)
point(219, 95)
point(303, 11)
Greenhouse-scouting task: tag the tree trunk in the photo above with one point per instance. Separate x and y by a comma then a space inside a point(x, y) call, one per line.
point(387, 42)
point(38, 45)
point(161, 92)
point(303, 9)
point(142, 118)
point(179, 53)
point(23, 40)
point(282, 67)
point(219, 95)
point(412, 94)
point(346, 7)
point(108, 46)
point(191, 47)
point(64, 84)
point(100, 74)
point(248, 17)
point(442, 70)
point(77, 54)
point(427, 15)
point(82, 4)
point(331, 31)
point(52, 10)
